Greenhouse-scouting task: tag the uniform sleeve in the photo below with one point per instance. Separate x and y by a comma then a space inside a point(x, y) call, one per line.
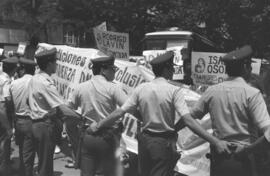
point(180, 103)
point(201, 107)
point(6, 89)
point(258, 111)
point(131, 103)
point(52, 96)
point(267, 134)
point(74, 101)
point(119, 96)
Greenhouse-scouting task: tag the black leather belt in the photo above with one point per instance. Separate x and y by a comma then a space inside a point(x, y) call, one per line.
point(44, 119)
point(166, 134)
point(23, 117)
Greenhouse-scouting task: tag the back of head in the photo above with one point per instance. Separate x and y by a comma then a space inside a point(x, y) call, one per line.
point(10, 64)
point(27, 65)
point(44, 57)
point(161, 62)
point(102, 62)
point(237, 60)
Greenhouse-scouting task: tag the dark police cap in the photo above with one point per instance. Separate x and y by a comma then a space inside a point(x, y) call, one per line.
point(164, 58)
point(103, 61)
point(46, 53)
point(242, 54)
point(11, 60)
point(27, 61)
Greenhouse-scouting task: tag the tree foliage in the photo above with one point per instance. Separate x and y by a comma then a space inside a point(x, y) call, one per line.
point(231, 23)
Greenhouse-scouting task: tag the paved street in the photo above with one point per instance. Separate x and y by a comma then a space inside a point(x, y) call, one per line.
point(60, 160)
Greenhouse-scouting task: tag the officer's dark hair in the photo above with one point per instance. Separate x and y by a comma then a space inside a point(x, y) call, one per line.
point(96, 69)
point(7, 67)
point(235, 68)
point(43, 63)
point(158, 69)
point(29, 69)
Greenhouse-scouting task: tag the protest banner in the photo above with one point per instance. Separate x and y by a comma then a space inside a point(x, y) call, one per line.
point(21, 48)
point(256, 66)
point(102, 26)
point(112, 43)
point(207, 68)
point(178, 68)
point(74, 66)
point(1, 57)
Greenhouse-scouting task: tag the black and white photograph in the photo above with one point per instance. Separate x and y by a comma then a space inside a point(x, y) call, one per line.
point(134, 87)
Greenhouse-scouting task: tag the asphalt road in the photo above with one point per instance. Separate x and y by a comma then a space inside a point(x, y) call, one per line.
point(60, 160)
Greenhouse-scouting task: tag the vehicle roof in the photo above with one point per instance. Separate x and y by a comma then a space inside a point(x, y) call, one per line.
point(169, 33)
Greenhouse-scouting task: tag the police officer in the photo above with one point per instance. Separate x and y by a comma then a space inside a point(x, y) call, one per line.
point(9, 69)
point(97, 98)
point(236, 110)
point(23, 120)
point(43, 101)
point(157, 102)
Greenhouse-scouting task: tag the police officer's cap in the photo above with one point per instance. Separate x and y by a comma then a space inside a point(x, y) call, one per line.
point(164, 58)
point(27, 61)
point(11, 60)
point(242, 54)
point(104, 61)
point(47, 53)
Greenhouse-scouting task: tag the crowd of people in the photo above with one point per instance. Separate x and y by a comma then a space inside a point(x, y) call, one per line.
point(32, 103)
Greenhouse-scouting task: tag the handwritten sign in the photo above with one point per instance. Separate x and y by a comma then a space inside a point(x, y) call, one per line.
point(207, 68)
point(112, 43)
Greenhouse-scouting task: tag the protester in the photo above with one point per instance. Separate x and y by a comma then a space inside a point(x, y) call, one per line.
point(9, 69)
point(157, 102)
point(97, 98)
point(23, 121)
point(236, 110)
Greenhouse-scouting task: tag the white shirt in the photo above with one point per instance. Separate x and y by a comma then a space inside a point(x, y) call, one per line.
point(236, 110)
point(5, 81)
point(43, 95)
point(97, 98)
point(19, 92)
point(157, 101)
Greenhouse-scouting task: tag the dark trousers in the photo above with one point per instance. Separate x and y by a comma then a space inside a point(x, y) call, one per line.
point(5, 142)
point(43, 132)
point(4, 152)
point(97, 155)
point(25, 140)
point(224, 165)
point(157, 154)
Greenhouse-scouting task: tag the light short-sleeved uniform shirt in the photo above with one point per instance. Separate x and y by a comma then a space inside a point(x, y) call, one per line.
point(236, 111)
point(97, 98)
point(5, 82)
point(43, 95)
point(157, 102)
point(19, 92)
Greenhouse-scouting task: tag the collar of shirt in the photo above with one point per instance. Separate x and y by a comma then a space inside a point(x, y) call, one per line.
point(160, 79)
point(100, 77)
point(5, 75)
point(26, 75)
point(46, 76)
point(236, 79)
